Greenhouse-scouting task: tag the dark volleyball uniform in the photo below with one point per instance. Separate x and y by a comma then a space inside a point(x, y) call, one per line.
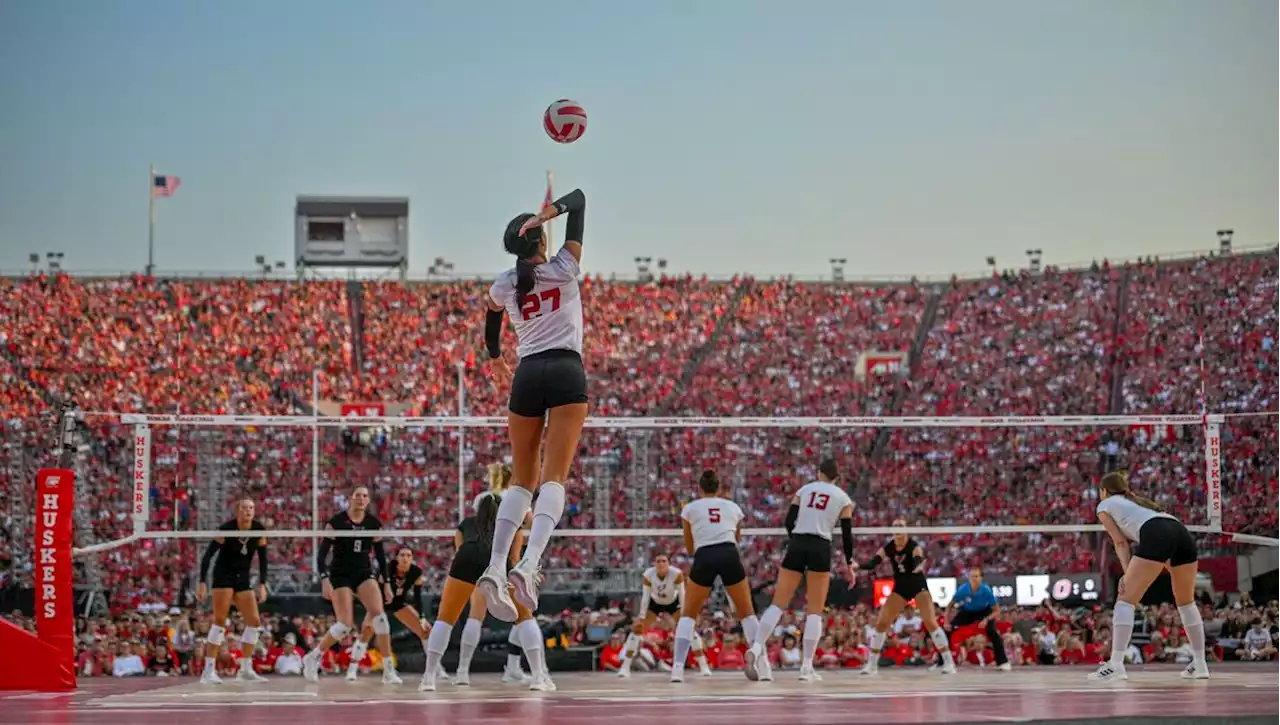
point(472, 558)
point(406, 589)
point(907, 582)
point(351, 565)
point(235, 557)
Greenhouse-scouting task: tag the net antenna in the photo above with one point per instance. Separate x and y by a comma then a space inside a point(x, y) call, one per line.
point(142, 463)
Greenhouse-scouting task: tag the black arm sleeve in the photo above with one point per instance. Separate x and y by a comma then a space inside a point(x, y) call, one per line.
point(793, 513)
point(207, 559)
point(873, 563)
point(262, 565)
point(380, 558)
point(846, 538)
point(417, 600)
point(493, 332)
point(322, 558)
point(575, 204)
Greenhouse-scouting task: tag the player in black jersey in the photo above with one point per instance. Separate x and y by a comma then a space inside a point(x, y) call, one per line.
point(499, 482)
point(474, 542)
point(405, 580)
point(906, 559)
point(350, 576)
point(231, 585)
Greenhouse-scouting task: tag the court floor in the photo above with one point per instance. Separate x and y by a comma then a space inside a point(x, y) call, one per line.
point(1236, 693)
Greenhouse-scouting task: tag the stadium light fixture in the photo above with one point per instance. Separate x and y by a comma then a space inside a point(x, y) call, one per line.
point(1224, 240)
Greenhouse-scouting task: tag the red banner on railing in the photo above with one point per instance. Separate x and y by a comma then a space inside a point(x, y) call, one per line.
point(363, 410)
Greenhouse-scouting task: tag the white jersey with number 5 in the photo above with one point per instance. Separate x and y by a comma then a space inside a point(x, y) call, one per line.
point(820, 506)
point(550, 317)
point(713, 521)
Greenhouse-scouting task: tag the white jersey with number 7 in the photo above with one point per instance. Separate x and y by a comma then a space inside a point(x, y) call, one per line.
point(713, 521)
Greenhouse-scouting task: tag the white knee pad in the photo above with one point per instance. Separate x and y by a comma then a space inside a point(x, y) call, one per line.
point(217, 635)
point(250, 636)
point(338, 630)
point(697, 641)
point(381, 625)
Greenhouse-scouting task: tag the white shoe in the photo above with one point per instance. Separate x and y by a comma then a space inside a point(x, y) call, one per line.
point(353, 674)
point(1109, 672)
point(677, 674)
point(210, 677)
point(705, 670)
point(1196, 671)
point(542, 683)
point(808, 674)
point(246, 674)
point(311, 668)
point(496, 597)
point(524, 577)
point(462, 678)
point(428, 683)
point(625, 672)
point(517, 677)
point(947, 669)
point(441, 674)
point(753, 657)
point(870, 668)
point(390, 676)
point(1006, 667)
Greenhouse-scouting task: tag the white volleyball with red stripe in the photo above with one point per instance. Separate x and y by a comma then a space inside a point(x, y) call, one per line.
point(565, 121)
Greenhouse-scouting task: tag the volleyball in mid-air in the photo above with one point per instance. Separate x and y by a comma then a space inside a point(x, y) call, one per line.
point(565, 121)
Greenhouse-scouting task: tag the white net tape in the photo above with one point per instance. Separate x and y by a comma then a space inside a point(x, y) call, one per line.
point(144, 424)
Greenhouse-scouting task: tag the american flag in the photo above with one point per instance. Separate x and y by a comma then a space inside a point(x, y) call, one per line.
point(163, 186)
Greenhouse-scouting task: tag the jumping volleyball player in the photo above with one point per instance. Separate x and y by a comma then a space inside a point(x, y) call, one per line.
point(231, 585)
point(405, 603)
point(811, 518)
point(351, 576)
point(906, 558)
point(661, 593)
point(1147, 542)
point(550, 384)
point(499, 482)
point(473, 540)
point(712, 529)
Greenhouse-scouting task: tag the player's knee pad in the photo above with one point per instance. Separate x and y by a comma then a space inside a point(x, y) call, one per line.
point(338, 630)
point(381, 625)
point(697, 641)
point(250, 636)
point(217, 635)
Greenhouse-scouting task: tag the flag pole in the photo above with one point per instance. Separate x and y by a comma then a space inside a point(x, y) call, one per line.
point(151, 219)
point(549, 232)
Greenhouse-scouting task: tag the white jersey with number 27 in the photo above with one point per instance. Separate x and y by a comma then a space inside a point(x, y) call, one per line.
point(713, 521)
point(550, 317)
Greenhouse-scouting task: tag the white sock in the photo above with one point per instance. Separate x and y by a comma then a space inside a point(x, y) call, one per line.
point(546, 517)
point(750, 627)
point(357, 655)
point(943, 646)
point(1194, 626)
point(877, 644)
point(437, 643)
point(768, 622)
point(629, 650)
point(531, 640)
point(515, 504)
point(1121, 631)
point(812, 635)
point(684, 639)
point(470, 640)
point(513, 663)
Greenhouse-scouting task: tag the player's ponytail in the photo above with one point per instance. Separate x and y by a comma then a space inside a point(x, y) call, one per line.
point(525, 247)
point(1116, 483)
point(709, 482)
point(526, 277)
point(499, 477)
point(487, 517)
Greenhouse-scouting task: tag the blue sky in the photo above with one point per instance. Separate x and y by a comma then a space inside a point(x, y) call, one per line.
point(724, 135)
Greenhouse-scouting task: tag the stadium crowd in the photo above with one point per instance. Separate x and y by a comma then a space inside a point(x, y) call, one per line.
point(171, 642)
point(1151, 337)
